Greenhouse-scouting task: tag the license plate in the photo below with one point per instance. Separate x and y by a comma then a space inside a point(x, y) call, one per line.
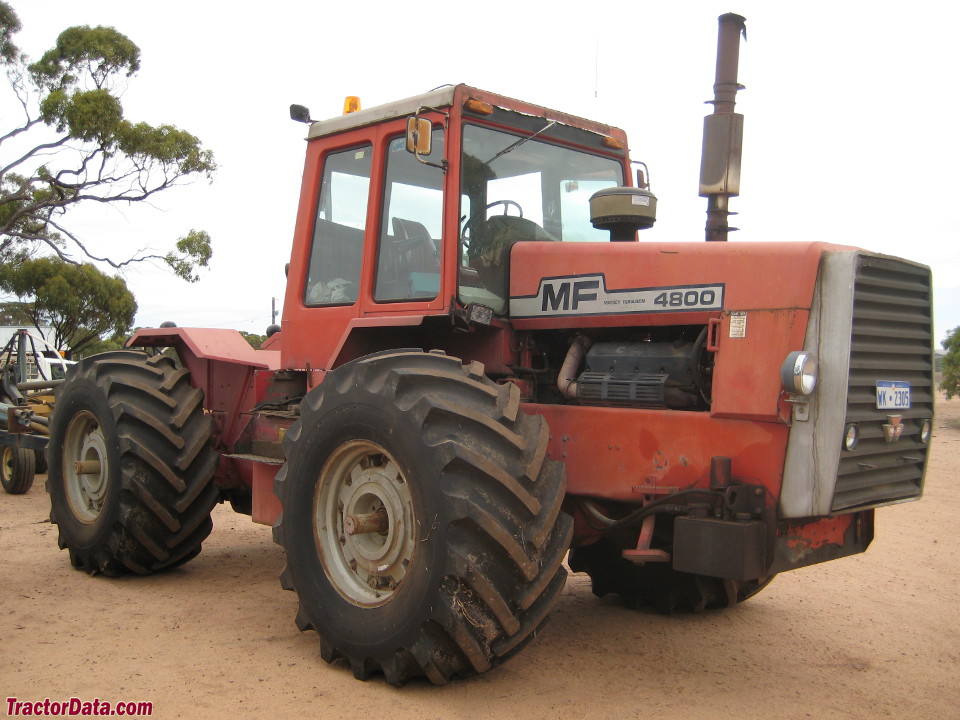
point(893, 395)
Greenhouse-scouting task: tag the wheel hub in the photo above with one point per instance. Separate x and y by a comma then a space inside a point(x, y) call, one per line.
point(365, 529)
point(85, 467)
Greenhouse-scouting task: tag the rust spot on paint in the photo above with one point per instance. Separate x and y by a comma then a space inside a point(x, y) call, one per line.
point(659, 461)
point(828, 531)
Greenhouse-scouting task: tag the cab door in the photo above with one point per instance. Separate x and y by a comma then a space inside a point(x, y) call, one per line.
point(326, 266)
point(408, 254)
point(368, 244)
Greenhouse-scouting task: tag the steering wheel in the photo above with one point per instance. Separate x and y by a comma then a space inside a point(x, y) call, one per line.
point(465, 232)
point(506, 206)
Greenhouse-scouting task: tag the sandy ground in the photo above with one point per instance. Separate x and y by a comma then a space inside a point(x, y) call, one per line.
point(875, 635)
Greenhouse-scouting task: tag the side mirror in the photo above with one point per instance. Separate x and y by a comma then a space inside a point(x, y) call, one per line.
point(419, 135)
point(300, 114)
point(420, 139)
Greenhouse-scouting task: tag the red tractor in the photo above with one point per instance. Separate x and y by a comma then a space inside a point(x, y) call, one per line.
point(686, 419)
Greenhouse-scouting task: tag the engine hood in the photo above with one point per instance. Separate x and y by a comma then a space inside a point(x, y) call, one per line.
point(551, 282)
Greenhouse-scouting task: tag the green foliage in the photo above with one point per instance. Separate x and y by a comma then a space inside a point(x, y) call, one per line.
point(95, 116)
point(255, 340)
point(114, 342)
point(83, 150)
point(9, 26)
point(193, 250)
point(14, 313)
point(99, 53)
point(79, 302)
point(950, 383)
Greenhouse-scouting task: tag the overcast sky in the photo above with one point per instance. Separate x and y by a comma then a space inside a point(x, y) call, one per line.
point(850, 116)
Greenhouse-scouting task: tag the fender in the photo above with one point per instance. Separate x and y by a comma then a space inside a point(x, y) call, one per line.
point(223, 365)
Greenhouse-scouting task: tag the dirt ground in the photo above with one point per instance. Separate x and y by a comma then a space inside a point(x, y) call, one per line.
point(875, 635)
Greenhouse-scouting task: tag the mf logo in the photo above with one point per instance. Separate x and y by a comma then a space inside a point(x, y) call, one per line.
point(568, 294)
point(588, 295)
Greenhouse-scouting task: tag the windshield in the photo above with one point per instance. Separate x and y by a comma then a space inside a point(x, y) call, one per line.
point(516, 188)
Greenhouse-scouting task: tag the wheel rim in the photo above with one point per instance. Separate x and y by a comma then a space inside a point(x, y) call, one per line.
point(364, 523)
point(85, 466)
point(7, 465)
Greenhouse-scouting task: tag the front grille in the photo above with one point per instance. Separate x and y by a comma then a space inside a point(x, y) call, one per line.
point(892, 339)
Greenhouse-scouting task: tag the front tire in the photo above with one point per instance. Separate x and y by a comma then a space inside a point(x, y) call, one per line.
point(421, 519)
point(131, 465)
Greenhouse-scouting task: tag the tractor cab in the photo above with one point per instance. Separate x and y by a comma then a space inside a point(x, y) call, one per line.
point(410, 209)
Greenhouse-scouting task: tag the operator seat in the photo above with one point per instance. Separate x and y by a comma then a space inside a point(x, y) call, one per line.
point(417, 250)
point(489, 250)
point(409, 266)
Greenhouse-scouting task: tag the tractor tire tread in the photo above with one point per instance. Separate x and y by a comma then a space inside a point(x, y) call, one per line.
point(506, 537)
point(167, 462)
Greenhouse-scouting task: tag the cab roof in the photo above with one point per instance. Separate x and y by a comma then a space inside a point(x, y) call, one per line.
point(448, 96)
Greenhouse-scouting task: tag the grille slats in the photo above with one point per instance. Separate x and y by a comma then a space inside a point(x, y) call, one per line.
point(878, 331)
point(868, 476)
point(871, 364)
point(877, 299)
point(893, 345)
point(877, 495)
point(891, 339)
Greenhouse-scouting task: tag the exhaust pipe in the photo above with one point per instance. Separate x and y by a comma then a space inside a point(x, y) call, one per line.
point(567, 377)
point(723, 132)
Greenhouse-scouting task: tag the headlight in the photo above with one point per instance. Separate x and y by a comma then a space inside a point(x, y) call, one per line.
point(925, 430)
point(851, 436)
point(799, 373)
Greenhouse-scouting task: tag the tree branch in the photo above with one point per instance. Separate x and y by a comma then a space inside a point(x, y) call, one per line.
point(109, 261)
point(78, 85)
point(17, 131)
point(46, 146)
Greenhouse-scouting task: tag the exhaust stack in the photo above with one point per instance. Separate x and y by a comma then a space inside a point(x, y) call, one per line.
point(723, 132)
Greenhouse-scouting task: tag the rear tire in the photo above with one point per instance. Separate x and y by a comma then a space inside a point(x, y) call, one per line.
point(657, 584)
point(41, 462)
point(141, 499)
point(17, 469)
point(421, 519)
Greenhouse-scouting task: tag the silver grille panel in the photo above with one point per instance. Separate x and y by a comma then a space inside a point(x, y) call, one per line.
point(891, 339)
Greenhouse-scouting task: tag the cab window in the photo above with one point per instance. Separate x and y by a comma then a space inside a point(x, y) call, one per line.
point(337, 251)
point(408, 256)
point(516, 188)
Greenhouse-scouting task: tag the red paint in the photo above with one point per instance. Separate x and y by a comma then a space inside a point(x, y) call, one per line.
point(266, 506)
point(617, 453)
point(208, 344)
